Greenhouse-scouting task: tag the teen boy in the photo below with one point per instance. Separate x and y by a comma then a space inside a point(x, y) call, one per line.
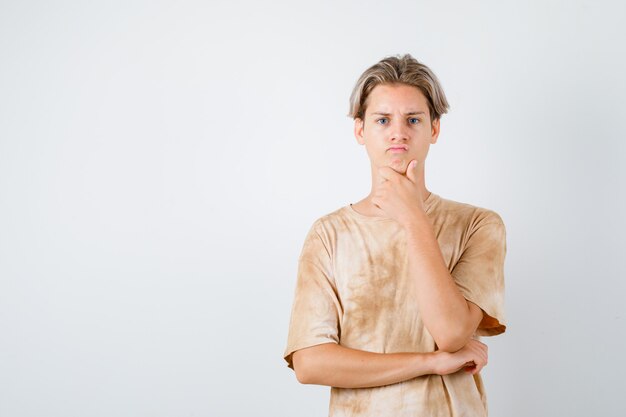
point(394, 291)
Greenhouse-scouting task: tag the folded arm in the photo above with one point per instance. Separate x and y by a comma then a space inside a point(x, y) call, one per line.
point(338, 366)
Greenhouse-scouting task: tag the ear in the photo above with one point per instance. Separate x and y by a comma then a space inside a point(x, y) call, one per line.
point(434, 132)
point(358, 131)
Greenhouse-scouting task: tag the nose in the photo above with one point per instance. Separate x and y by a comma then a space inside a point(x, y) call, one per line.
point(399, 133)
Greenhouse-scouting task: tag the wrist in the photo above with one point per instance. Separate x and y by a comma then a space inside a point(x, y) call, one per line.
point(428, 363)
point(417, 222)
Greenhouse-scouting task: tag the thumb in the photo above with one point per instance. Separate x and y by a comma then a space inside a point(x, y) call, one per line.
point(411, 171)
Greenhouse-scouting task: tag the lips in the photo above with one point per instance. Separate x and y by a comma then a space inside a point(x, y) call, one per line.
point(398, 149)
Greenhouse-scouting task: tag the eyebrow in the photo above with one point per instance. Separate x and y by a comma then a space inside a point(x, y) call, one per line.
point(406, 114)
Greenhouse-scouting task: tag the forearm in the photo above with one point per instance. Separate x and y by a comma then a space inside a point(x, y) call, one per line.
point(443, 307)
point(338, 366)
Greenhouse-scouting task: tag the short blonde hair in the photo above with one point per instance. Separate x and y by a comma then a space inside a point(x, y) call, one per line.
point(399, 70)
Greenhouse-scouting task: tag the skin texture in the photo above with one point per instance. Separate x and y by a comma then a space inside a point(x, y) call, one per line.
point(398, 115)
point(337, 366)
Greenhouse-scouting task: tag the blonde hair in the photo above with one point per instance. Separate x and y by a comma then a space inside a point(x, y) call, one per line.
point(399, 70)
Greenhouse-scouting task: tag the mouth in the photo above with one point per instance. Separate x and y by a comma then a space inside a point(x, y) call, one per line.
point(398, 149)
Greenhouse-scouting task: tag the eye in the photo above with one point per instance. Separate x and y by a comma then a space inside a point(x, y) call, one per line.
point(382, 119)
point(414, 120)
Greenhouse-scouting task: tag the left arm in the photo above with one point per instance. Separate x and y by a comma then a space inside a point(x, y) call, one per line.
point(448, 316)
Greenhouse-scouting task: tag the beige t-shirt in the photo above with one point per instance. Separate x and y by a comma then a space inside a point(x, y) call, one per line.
point(352, 289)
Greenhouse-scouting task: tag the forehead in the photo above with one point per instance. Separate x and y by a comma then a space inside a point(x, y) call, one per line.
point(396, 97)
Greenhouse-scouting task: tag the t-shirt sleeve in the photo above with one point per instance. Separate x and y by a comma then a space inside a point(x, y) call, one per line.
point(479, 273)
point(316, 308)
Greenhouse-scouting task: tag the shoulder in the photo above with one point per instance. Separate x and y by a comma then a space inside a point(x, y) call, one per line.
point(331, 220)
point(322, 234)
point(327, 226)
point(468, 215)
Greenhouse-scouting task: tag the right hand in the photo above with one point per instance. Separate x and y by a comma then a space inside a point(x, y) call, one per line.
point(472, 357)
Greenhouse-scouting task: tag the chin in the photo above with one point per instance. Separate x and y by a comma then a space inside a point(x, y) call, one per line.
point(399, 165)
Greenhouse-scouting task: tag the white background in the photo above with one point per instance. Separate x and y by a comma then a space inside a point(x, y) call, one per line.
point(161, 162)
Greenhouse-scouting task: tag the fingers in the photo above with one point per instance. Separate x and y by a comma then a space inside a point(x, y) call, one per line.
point(472, 358)
point(482, 351)
point(411, 171)
point(388, 173)
point(476, 355)
point(481, 358)
point(479, 367)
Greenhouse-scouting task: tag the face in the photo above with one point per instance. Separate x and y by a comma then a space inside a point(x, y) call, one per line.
point(396, 127)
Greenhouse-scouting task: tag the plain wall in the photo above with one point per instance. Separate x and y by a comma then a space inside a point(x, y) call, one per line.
point(161, 162)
